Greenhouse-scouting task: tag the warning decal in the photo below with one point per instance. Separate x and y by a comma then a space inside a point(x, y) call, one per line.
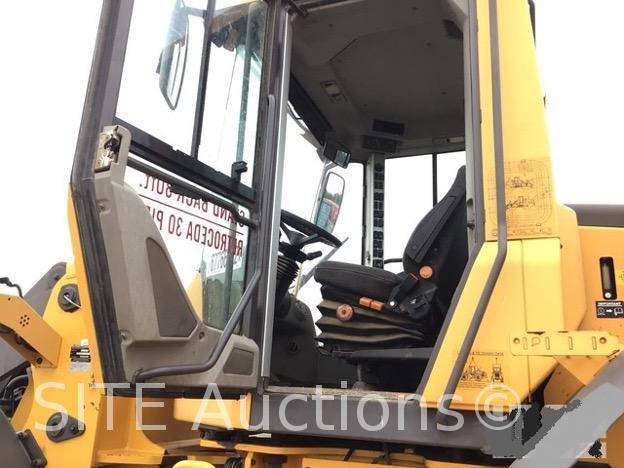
point(528, 198)
point(610, 309)
point(483, 369)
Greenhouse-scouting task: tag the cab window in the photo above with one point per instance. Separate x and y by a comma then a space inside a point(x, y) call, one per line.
point(401, 217)
point(232, 83)
point(303, 175)
point(435, 174)
point(210, 116)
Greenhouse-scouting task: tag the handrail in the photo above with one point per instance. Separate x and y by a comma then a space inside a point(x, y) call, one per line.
point(501, 218)
point(140, 165)
point(217, 351)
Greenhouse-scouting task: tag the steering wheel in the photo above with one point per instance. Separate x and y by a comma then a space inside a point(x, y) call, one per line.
point(305, 232)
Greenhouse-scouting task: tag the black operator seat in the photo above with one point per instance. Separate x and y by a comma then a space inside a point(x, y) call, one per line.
point(366, 308)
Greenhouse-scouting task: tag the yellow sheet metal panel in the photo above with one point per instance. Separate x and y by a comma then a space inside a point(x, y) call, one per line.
point(324, 454)
point(121, 440)
point(528, 173)
point(195, 292)
point(74, 389)
point(572, 293)
point(581, 290)
point(487, 128)
point(490, 362)
point(193, 464)
point(583, 368)
point(600, 242)
point(456, 331)
point(127, 457)
point(543, 297)
point(492, 367)
point(615, 447)
point(572, 274)
point(437, 464)
point(531, 278)
point(65, 386)
point(580, 299)
point(561, 387)
point(78, 274)
point(19, 316)
point(542, 285)
point(224, 413)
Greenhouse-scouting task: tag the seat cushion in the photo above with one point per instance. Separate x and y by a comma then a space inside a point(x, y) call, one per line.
point(374, 283)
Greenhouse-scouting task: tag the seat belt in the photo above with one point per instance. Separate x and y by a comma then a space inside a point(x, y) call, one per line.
point(403, 301)
point(401, 290)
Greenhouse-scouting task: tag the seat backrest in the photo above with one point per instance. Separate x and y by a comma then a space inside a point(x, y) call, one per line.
point(440, 240)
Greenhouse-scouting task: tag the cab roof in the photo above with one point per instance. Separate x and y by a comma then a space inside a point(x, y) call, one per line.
point(380, 76)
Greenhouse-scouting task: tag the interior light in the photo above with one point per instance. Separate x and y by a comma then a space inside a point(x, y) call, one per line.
point(332, 89)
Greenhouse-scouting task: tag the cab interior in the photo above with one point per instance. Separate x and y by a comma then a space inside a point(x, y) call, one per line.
point(387, 86)
point(375, 196)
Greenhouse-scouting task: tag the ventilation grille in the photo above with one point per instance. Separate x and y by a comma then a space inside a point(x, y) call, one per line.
point(393, 128)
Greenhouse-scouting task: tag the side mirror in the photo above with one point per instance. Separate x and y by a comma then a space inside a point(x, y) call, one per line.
point(330, 201)
point(172, 62)
point(336, 153)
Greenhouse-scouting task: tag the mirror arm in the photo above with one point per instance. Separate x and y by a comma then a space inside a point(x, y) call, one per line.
point(198, 12)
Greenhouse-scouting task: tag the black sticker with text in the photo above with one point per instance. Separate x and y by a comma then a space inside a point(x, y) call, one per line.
point(610, 309)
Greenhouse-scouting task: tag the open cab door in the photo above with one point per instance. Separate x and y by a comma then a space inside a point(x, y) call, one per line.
point(173, 170)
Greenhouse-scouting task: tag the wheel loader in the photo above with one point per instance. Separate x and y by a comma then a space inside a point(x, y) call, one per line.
point(318, 233)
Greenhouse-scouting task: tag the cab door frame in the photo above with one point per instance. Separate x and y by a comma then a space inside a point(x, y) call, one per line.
point(277, 412)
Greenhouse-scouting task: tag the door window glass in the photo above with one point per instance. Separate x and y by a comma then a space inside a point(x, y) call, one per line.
point(233, 86)
point(232, 90)
point(161, 89)
point(141, 101)
point(207, 246)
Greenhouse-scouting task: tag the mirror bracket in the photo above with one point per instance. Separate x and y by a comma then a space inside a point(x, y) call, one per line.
point(336, 153)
